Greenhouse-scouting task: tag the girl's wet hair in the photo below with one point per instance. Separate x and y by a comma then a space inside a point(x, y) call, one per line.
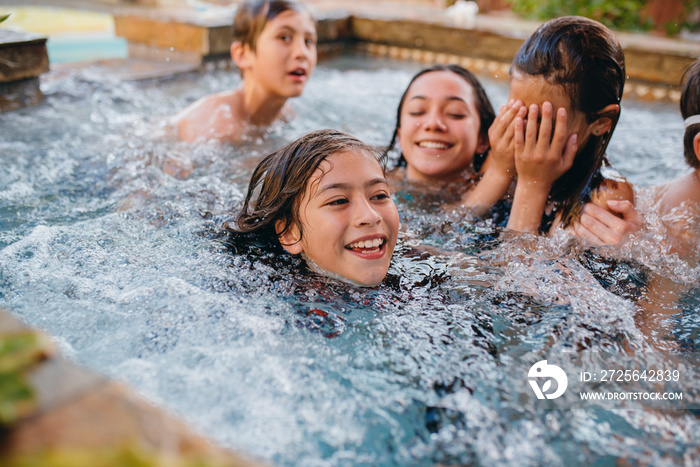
point(586, 60)
point(690, 105)
point(278, 183)
point(483, 106)
point(252, 16)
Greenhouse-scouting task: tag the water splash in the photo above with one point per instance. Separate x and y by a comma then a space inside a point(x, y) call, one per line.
point(111, 241)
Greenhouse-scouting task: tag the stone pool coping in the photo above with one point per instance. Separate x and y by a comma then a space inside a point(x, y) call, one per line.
point(23, 58)
point(410, 32)
point(78, 414)
point(176, 38)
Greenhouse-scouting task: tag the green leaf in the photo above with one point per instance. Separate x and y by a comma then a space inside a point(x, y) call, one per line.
point(4, 17)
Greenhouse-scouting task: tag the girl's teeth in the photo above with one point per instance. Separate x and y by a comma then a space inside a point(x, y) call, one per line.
point(432, 145)
point(367, 244)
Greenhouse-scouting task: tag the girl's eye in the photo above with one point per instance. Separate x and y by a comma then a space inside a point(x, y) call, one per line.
point(457, 116)
point(286, 38)
point(416, 113)
point(380, 196)
point(338, 202)
point(310, 42)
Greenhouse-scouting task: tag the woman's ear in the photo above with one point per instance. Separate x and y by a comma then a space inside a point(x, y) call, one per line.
point(483, 144)
point(290, 239)
point(696, 146)
point(241, 55)
point(603, 124)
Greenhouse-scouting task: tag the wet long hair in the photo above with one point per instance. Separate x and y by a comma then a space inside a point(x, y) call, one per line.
point(252, 16)
point(586, 60)
point(483, 106)
point(279, 182)
point(690, 105)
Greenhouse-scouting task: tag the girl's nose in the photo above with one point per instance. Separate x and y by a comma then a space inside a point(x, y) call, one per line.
point(435, 122)
point(366, 214)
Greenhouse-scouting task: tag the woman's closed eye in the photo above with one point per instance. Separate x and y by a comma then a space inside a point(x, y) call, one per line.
point(456, 112)
point(416, 113)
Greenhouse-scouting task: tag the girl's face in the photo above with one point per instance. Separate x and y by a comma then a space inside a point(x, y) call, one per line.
point(439, 127)
point(285, 54)
point(350, 223)
point(537, 90)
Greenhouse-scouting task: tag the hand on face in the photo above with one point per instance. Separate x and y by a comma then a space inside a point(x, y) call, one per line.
point(540, 156)
point(502, 137)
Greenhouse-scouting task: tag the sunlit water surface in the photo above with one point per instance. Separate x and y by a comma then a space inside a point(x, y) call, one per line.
point(110, 240)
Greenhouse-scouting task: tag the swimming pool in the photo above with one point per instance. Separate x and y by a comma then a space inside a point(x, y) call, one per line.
point(73, 35)
point(110, 240)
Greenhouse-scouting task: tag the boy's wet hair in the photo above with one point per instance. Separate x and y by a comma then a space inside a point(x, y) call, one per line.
point(690, 105)
point(279, 182)
point(483, 106)
point(252, 16)
point(585, 58)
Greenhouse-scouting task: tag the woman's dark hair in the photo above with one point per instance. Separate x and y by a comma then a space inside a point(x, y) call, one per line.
point(586, 60)
point(690, 105)
point(483, 106)
point(278, 183)
point(252, 16)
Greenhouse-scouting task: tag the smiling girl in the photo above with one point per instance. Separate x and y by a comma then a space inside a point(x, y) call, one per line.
point(325, 197)
point(274, 46)
point(441, 126)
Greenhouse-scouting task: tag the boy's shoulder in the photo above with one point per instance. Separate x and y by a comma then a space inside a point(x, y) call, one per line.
point(212, 116)
point(683, 190)
point(210, 102)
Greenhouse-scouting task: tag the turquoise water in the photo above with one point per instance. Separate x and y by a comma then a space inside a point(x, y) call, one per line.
point(110, 240)
point(85, 47)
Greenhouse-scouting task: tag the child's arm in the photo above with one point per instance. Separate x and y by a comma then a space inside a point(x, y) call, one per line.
point(539, 162)
point(500, 171)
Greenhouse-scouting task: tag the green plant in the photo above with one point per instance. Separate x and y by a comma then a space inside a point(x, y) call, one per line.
point(4, 17)
point(616, 14)
point(19, 352)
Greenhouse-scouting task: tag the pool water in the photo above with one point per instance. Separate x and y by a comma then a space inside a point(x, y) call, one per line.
point(73, 35)
point(76, 48)
point(111, 240)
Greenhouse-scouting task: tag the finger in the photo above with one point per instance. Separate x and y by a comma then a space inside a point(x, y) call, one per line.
point(583, 233)
point(546, 124)
point(631, 220)
point(503, 120)
point(513, 111)
point(559, 138)
point(531, 127)
point(518, 136)
point(627, 210)
point(607, 227)
point(509, 133)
